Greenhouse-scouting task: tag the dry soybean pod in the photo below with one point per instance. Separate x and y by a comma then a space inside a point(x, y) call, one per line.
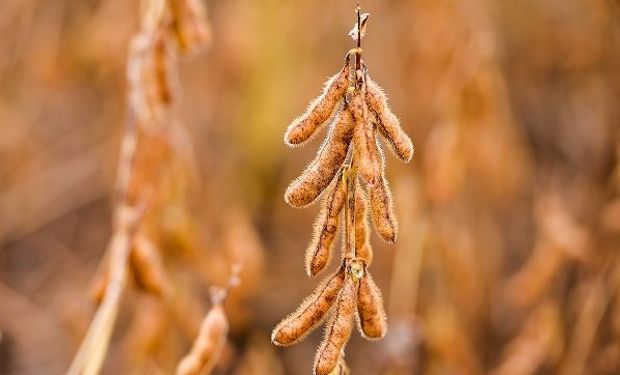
point(382, 210)
point(311, 312)
point(147, 266)
point(387, 123)
point(363, 250)
point(338, 330)
point(365, 147)
point(321, 171)
point(208, 345)
point(325, 229)
point(320, 110)
point(370, 312)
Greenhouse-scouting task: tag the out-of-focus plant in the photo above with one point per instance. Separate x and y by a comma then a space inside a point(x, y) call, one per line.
point(151, 181)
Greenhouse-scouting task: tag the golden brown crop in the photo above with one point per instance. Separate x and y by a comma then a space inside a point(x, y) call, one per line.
point(348, 167)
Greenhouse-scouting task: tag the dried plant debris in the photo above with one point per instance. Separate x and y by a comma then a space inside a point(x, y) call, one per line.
point(348, 172)
point(359, 27)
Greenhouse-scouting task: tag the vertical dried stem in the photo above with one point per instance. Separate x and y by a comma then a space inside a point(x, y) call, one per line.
point(350, 181)
point(151, 95)
point(350, 171)
point(128, 153)
point(94, 347)
point(358, 56)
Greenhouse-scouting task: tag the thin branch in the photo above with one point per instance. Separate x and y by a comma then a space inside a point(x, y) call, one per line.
point(349, 176)
point(358, 55)
point(91, 354)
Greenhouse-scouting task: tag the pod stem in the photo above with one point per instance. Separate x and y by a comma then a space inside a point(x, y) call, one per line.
point(349, 176)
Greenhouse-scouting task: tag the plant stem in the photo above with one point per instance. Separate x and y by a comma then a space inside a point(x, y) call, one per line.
point(358, 56)
point(350, 180)
point(89, 358)
point(349, 174)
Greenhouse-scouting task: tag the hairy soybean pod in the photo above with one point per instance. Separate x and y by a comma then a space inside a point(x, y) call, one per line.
point(338, 330)
point(363, 250)
point(382, 210)
point(295, 327)
point(321, 171)
point(387, 123)
point(325, 229)
point(320, 109)
point(365, 145)
point(370, 312)
point(356, 113)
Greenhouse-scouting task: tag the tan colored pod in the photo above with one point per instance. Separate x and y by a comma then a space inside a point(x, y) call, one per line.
point(152, 78)
point(363, 250)
point(208, 345)
point(147, 266)
point(295, 327)
point(370, 311)
point(387, 123)
point(364, 139)
point(320, 109)
point(321, 171)
point(325, 229)
point(382, 210)
point(339, 329)
point(189, 24)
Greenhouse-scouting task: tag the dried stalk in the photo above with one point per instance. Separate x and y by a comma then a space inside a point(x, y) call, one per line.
point(151, 76)
point(90, 356)
point(352, 153)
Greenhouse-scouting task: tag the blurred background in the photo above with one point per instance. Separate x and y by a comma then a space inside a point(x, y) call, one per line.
point(507, 257)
